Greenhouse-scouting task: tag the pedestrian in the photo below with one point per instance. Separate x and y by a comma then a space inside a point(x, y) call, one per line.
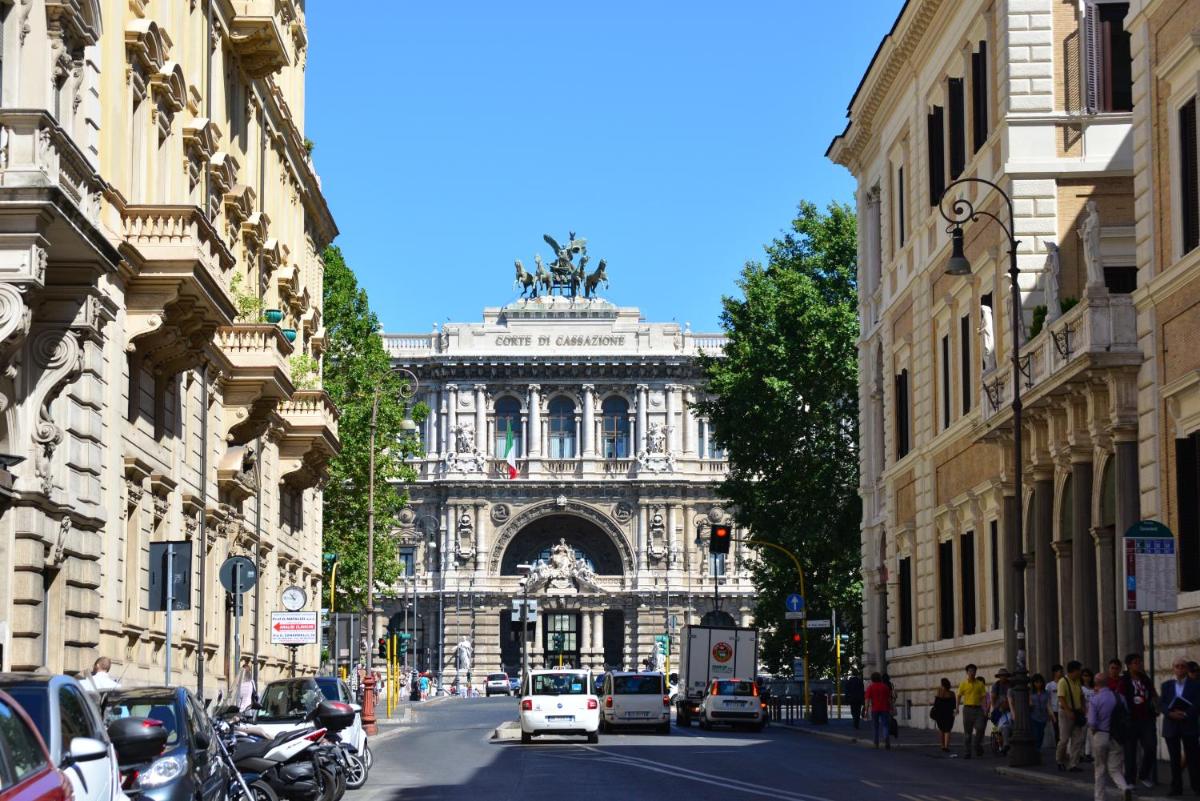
point(1113, 677)
point(424, 684)
point(854, 695)
point(1001, 711)
point(247, 691)
point(1056, 674)
point(943, 711)
point(1138, 692)
point(1072, 720)
point(1039, 709)
point(1088, 683)
point(1180, 702)
point(100, 679)
point(879, 706)
point(1106, 719)
point(971, 695)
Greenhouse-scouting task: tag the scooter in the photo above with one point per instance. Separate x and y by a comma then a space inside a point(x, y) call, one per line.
point(297, 764)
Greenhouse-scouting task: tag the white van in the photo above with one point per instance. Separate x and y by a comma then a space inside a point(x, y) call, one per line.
point(559, 702)
point(636, 699)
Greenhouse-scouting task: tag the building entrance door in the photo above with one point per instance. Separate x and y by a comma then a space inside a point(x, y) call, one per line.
point(560, 639)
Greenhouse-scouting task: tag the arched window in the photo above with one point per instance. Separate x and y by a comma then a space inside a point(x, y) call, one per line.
point(562, 428)
point(508, 419)
point(580, 556)
point(614, 419)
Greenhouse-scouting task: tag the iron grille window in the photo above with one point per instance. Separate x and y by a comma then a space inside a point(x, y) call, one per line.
point(995, 536)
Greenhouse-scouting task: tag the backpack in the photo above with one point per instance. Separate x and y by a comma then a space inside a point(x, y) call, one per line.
point(1118, 723)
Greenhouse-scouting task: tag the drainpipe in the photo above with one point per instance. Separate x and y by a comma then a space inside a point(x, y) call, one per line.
point(257, 549)
point(203, 527)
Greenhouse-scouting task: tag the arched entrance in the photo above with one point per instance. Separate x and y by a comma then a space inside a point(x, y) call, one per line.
point(590, 543)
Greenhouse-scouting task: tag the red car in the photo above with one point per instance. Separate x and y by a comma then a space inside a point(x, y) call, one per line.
point(26, 771)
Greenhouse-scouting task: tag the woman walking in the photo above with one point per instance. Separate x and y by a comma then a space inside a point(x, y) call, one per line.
point(1039, 709)
point(945, 708)
point(879, 707)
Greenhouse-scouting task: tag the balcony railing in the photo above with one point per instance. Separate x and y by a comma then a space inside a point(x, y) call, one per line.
point(257, 377)
point(36, 151)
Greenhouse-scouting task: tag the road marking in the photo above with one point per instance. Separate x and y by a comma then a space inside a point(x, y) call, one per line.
point(871, 784)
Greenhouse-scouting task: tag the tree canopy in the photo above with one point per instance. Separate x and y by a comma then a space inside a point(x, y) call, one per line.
point(784, 404)
point(357, 371)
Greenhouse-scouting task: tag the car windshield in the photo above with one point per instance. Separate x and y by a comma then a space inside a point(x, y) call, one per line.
point(559, 684)
point(649, 684)
point(161, 708)
point(289, 700)
point(498, 677)
point(734, 688)
point(34, 700)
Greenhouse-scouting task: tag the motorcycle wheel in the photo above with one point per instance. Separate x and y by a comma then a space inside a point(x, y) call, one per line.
point(340, 787)
point(330, 785)
point(262, 791)
point(368, 758)
point(356, 772)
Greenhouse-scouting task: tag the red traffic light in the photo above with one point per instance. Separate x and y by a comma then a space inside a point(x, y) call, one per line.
point(718, 538)
point(796, 637)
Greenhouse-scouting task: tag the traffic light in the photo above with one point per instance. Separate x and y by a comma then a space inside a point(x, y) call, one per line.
point(796, 636)
point(719, 536)
point(383, 647)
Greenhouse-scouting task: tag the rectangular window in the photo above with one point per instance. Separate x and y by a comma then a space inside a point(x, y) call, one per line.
point(937, 155)
point(946, 381)
point(1120, 280)
point(1187, 485)
point(906, 621)
point(1189, 177)
point(946, 589)
point(979, 97)
point(1109, 66)
point(902, 414)
point(995, 536)
point(900, 205)
point(964, 346)
point(716, 564)
point(956, 98)
point(966, 560)
point(408, 561)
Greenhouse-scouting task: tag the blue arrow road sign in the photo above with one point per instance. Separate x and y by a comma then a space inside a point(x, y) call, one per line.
point(795, 602)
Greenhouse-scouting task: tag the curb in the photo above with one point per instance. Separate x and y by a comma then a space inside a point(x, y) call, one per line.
point(386, 735)
point(508, 731)
point(849, 739)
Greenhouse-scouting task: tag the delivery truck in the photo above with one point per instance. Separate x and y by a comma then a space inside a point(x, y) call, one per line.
point(707, 653)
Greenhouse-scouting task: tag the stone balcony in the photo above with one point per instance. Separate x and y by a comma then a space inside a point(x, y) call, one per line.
point(1099, 333)
point(587, 468)
point(255, 377)
point(177, 271)
point(310, 437)
point(257, 37)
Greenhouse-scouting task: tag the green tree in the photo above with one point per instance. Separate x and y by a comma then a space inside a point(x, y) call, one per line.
point(357, 370)
point(784, 404)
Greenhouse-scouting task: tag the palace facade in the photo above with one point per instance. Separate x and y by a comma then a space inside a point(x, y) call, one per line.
point(613, 488)
point(160, 330)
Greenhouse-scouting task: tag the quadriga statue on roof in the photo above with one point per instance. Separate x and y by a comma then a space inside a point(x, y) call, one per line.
point(565, 276)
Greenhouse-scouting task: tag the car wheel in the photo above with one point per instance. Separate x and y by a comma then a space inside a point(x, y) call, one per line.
point(665, 728)
point(526, 737)
point(594, 737)
point(704, 724)
point(762, 724)
point(356, 772)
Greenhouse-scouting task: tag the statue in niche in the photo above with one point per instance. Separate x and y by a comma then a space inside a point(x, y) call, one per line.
point(465, 538)
point(1089, 234)
point(1051, 277)
point(464, 653)
point(464, 437)
point(656, 437)
point(987, 337)
point(658, 534)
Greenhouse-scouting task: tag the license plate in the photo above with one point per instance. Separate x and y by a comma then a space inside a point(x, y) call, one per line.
point(560, 718)
point(735, 703)
point(637, 714)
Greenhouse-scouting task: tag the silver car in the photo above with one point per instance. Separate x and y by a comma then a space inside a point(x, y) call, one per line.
point(498, 684)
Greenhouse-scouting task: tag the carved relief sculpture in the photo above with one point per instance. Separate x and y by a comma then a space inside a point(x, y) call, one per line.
point(1089, 234)
point(1051, 286)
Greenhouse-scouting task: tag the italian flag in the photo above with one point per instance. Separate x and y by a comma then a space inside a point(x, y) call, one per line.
point(510, 451)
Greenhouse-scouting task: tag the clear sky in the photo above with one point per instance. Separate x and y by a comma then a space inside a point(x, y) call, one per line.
point(677, 137)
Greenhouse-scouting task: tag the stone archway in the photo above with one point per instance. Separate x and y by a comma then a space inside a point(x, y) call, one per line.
point(590, 529)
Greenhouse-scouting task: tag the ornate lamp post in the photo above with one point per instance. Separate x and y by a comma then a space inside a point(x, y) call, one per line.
point(1023, 751)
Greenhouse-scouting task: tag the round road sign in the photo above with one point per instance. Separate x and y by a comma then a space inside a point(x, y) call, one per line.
point(247, 574)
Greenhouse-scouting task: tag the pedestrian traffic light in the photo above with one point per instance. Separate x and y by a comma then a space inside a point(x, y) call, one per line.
point(719, 536)
point(383, 647)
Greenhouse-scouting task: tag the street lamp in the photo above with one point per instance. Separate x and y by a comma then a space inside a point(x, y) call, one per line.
point(524, 569)
point(1023, 751)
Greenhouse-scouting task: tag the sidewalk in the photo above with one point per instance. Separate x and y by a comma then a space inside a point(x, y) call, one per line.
point(924, 743)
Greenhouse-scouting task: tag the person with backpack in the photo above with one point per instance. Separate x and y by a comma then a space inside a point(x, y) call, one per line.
point(1108, 727)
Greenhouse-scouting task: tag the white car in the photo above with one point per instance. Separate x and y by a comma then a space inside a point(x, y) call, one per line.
point(733, 701)
point(559, 702)
point(635, 699)
point(498, 684)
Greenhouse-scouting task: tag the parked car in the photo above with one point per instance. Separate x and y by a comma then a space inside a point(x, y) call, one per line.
point(27, 772)
point(190, 765)
point(70, 724)
point(334, 689)
point(635, 699)
point(498, 684)
point(559, 702)
point(735, 702)
point(514, 684)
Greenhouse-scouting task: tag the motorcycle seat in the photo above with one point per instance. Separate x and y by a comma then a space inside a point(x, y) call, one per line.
point(250, 749)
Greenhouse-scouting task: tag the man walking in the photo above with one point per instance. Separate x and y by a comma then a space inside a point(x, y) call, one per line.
point(970, 697)
point(854, 695)
point(100, 679)
point(1105, 716)
point(1056, 673)
point(1138, 692)
point(1181, 727)
point(1072, 723)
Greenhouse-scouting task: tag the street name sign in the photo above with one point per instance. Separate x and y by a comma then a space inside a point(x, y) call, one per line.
point(795, 615)
point(819, 624)
point(1149, 562)
point(293, 628)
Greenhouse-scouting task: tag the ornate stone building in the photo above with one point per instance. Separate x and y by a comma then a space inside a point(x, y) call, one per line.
point(160, 207)
point(613, 489)
point(1037, 97)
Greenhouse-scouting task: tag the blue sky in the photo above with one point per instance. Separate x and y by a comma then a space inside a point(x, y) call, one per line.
point(676, 137)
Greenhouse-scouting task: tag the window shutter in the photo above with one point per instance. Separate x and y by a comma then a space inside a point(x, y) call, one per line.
point(946, 381)
point(1092, 57)
point(958, 126)
point(1189, 177)
point(937, 155)
point(964, 337)
point(979, 97)
point(900, 203)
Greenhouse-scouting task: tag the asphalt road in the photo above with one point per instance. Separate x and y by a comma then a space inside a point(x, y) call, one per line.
point(448, 755)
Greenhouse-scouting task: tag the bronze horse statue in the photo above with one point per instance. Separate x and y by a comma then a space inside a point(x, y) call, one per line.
point(593, 280)
point(526, 281)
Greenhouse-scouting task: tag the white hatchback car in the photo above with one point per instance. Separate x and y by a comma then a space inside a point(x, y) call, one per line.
point(559, 702)
point(498, 684)
point(635, 699)
point(735, 702)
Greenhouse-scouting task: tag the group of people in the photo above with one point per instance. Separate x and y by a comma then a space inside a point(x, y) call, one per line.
point(1109, 718)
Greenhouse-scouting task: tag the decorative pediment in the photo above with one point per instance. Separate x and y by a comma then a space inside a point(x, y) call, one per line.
point(169, 87)
point(74, 21)
point(146, 45)
point(271, 255)
point(224, 171)
point(259, 44)
point(287, 280)
point(255, 229)
point(239, 205)
point(237, 476)
point(310, 321)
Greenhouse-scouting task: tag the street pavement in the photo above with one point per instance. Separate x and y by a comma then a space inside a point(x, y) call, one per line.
point(446, 752)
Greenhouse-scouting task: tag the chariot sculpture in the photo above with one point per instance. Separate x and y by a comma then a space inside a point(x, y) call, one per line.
point(564, 277)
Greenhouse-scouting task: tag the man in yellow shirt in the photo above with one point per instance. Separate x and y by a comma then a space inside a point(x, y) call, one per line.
point(971, 694)
point(1072, 718)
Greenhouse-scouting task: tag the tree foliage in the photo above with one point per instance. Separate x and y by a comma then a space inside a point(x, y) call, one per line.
point(784, 404)
point(357, 371)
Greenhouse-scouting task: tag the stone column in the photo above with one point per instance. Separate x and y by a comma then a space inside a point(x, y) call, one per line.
point(1065, 613)
point(1083, 588)
point(598, 634)
point(643, 399)
point(671, 555)
point(585, 638)
point(1106, 587)
point(431, 426)
point(689, 423)
point(481, 519)
point(1012, 584)
point(672, 418)
point(589, 424)
point(643, 528)
point(452, 418)
point(707, 438)
point(1129, 511)
point(447, 557)
point(523, 448)
point(534, 430)
point(443, 428)
point(481, 418)
point(535, 648)
point(1046, 586)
